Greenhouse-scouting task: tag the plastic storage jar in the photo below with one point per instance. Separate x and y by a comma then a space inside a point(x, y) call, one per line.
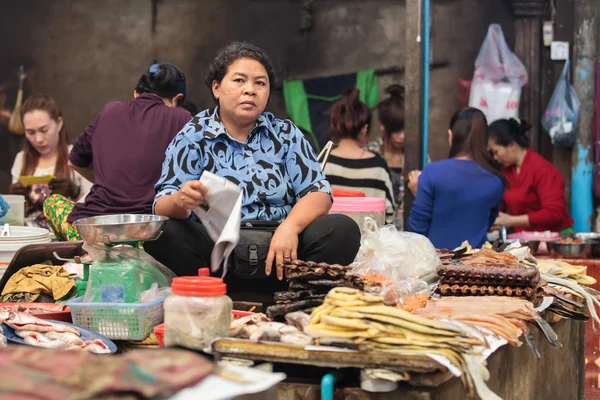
point(359, 208)
point(197, 312)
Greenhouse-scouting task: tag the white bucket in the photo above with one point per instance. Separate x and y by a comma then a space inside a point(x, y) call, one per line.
point(16, 212)
point(21, 236)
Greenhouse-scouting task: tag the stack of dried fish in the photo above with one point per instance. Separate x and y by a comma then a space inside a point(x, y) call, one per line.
point(309, 283)
point(364, 319)
point(488, 273)
point(354, 319)
point(589, 295)
point(505, 316)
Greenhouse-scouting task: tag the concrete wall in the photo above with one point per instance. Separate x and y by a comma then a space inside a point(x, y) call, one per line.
point(86, 53)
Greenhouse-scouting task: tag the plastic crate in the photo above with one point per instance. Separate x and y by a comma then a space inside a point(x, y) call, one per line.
point(121, 321)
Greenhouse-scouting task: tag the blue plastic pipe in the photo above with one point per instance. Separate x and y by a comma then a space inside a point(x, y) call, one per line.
point(425, 133)
point(327, 384)
point(582, 205)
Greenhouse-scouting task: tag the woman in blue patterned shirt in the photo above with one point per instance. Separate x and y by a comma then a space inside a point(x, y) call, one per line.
point(268, 158)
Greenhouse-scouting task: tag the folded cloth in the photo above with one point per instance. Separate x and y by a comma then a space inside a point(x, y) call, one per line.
point(27, 373)
point(38, 279)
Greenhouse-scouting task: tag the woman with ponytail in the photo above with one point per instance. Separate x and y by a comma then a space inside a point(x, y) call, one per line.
point(535, 197)
point(458, 198)
point(350, 166)
point(122, 151)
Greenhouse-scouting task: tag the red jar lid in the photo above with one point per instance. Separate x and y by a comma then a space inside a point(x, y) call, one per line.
point(201, 286)
point(346, 193)
point(203, 272)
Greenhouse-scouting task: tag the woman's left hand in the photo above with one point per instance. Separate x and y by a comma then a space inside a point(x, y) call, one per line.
point(413, 181)
point(283, 247)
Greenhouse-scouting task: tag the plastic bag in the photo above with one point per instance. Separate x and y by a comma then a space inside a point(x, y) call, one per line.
point(403, 262)
point(121, 274)
point(498, 78)
point(154, 293)
point(560, 117)
point(4, 206)
point(397, 255)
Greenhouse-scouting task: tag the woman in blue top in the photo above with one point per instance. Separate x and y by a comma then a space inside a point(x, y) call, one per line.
point(268, 158)
point(458, 198)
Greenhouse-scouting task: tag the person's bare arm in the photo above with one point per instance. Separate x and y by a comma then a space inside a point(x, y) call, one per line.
point(87, 172)
point(179, 204)
point(285, 240)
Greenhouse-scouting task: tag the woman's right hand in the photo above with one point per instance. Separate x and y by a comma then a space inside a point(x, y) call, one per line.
point(190, 196)
point(19, 188)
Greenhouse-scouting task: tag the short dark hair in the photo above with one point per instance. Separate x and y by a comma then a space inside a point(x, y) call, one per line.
point(391, 110)
point(164, 80)
point(348, 116)
point(230, 54)
point(507, 131)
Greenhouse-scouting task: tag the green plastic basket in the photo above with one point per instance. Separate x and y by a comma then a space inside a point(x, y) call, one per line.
point(118, 321)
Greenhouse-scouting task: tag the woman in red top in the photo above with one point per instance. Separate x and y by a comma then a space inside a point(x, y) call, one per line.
point(535, 197)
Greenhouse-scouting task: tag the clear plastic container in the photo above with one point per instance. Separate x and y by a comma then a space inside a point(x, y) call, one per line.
point(359, 208)
point(197, 312)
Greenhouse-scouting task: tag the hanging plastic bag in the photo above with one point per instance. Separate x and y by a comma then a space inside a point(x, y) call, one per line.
point(560, 117)
point(498, 78)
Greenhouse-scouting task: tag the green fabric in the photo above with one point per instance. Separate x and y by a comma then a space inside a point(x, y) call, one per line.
point(567, 231)
point(323, 98)
point(296, 103)
point(366, 82)
point(296, 99)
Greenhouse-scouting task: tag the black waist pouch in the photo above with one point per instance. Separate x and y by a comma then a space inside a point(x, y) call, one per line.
point(250, 255)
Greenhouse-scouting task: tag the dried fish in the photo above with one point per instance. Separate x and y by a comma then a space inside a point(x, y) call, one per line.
point(280, 310)
point(292, 296)
point(590, 300)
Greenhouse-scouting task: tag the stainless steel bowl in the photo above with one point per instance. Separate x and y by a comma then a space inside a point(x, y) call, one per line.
point(594, 239)
point(570, 250)
point(115, 229)
point(588, 236)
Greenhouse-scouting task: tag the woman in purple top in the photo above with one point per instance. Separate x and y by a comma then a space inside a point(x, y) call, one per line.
point(122, 151)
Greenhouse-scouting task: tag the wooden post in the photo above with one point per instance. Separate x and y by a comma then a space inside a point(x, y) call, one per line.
point(413, 95)
point(584, 59)
point(563, 31)
point(529, 16)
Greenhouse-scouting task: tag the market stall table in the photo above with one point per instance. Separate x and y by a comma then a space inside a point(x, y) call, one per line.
point(592, 337)
point(514, 372)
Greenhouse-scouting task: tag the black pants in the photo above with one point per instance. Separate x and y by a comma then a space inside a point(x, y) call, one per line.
point(185, 246)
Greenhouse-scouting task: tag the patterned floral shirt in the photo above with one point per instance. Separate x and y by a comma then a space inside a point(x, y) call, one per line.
point(275, 167)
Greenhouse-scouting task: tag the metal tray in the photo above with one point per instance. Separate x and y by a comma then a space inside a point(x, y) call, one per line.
point(125, 228)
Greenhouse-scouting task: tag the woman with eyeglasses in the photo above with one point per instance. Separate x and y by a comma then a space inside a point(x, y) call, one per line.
point(122, 151)
point(458, 198)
